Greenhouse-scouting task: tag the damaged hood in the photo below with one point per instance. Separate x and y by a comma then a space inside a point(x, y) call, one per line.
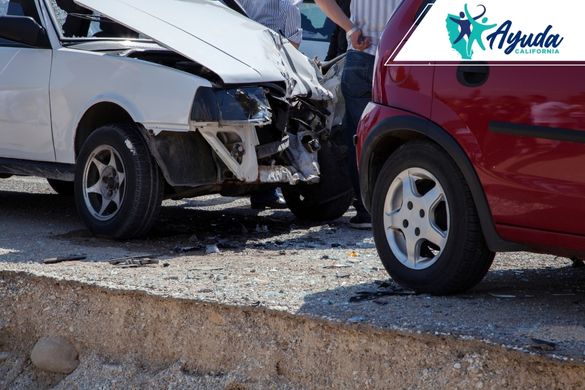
point(231, 45)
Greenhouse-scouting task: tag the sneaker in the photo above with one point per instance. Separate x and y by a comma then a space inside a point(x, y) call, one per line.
point(361, 221)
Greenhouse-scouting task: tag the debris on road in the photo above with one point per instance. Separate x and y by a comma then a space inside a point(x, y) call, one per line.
point(337, 266)
point(542, 345)
point(62, 259)
point(187, 249)
point(211, 249)
point(503, 296)
point(134, 262)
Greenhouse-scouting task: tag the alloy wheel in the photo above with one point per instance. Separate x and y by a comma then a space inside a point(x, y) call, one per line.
point(416, 218)
point(104, 183)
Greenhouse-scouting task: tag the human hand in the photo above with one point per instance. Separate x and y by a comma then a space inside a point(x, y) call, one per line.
point(359, 41)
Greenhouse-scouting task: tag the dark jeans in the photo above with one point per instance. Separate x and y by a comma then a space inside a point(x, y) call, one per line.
point(356, 86)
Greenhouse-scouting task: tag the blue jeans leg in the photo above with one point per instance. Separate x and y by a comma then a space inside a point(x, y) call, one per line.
point(356, 86)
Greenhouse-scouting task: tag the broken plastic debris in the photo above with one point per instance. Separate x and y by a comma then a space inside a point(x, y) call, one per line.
point(542, 345)
point(505, 296)
point(185, 249)
point(127, 259)
point(210, 249)
point(135, 263)
point(337, 266)
point(55, 260)
point(353, 254)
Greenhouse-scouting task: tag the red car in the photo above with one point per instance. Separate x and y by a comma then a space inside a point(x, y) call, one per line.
point(459, 162)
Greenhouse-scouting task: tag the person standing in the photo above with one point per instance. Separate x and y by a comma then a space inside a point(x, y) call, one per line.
point(338, 41)
point(284, 17)
point(363, 30)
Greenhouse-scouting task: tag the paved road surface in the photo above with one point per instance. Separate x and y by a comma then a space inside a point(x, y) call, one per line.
point(270, 259)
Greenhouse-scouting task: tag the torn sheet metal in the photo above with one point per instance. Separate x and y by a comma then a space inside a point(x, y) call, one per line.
point(306, 162)
point(246, 169)
point(277, 174)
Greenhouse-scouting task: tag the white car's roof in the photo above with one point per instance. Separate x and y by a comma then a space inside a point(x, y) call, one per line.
point(234, 47)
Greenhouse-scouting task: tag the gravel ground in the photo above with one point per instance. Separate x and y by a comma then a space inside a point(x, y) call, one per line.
point(95, 372)
point(269, 259)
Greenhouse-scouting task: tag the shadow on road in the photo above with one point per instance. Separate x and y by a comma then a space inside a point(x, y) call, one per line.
point(519, 307)
point(184, 225)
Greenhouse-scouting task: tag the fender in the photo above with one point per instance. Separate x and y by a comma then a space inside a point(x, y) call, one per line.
point(407, 127)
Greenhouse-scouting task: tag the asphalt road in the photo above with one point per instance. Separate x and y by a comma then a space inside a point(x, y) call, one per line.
point(528, 301)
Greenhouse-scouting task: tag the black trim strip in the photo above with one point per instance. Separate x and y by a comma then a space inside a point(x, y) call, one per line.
point(400, 129)
point(49, 170)
point(553, 133)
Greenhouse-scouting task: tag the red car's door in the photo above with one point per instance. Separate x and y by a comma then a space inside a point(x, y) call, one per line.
point(524, 129)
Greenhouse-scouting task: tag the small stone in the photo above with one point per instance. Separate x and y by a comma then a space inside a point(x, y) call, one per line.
point(457, 366)
point(54, 354)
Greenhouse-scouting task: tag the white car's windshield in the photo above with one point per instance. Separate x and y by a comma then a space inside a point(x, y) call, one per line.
point(75, 21)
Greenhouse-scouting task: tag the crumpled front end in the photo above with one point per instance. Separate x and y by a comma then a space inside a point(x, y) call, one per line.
point(270, 133)
point(259, 135)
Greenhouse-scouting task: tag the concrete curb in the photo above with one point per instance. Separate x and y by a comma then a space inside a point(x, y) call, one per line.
point(259, 344)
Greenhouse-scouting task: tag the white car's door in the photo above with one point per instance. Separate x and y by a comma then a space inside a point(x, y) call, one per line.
point(25, 117)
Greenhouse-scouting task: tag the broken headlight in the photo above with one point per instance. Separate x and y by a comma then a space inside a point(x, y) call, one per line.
point(231, 107)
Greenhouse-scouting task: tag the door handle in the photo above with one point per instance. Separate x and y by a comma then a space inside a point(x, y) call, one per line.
point(473, 75)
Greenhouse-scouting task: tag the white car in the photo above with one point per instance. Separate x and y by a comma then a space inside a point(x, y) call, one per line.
point(125, 102)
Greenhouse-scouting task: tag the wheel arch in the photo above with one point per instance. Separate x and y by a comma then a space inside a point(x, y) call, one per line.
point(96, 116)
point(171, 150)
point(389, 134)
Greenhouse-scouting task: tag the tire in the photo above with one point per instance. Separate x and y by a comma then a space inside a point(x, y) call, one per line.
point(331, 197)
point(129, 182)
point(437, 201)
point(65, 188)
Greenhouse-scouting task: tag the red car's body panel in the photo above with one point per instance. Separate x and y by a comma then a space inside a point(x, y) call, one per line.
point(522, 128)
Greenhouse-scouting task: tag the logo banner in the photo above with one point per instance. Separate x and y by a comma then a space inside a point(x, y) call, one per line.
point(496, 30)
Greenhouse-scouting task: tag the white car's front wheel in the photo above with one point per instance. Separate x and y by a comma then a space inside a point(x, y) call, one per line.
point(118, 186)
